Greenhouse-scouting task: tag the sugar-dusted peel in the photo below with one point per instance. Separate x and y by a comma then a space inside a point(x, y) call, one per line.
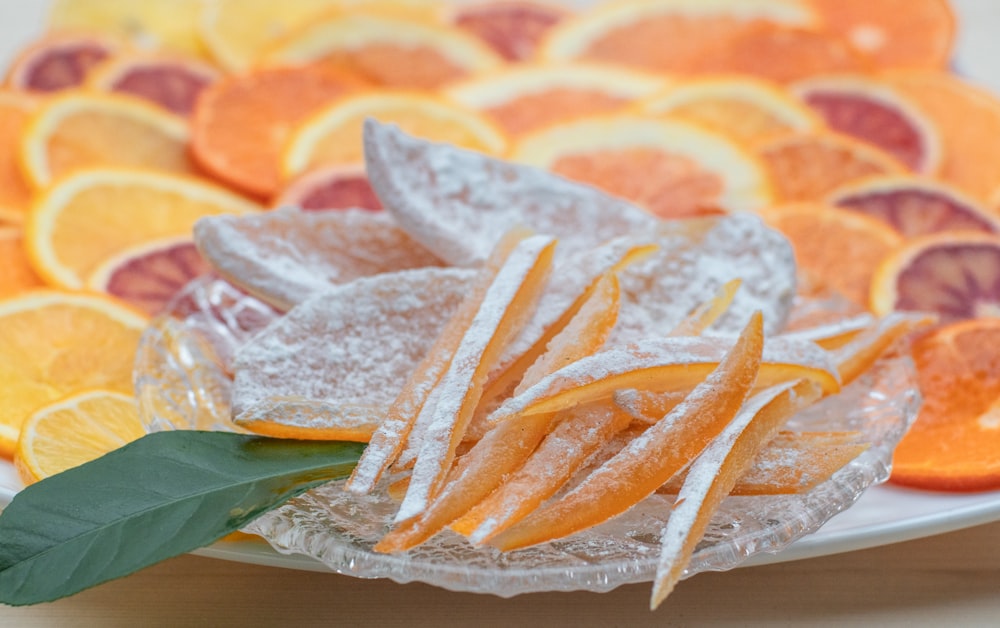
point(715, 471)
point(507, 305)
point(394, 432)
point(833, 335)
point(654, 457)
point(458, 202)
point(333, 365)
point(857, 356)
point(284, 256)
point(702, 317)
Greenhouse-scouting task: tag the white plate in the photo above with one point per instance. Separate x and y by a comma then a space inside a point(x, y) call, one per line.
point(884, 514)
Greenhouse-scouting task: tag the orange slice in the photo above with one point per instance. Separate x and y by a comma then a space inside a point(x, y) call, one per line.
point(808, 166)
point(330, 187)
point(55, 343)
point(86, 218)
point(167, 25)
point(745, 108)
point(241, 123)
point(58, 61)
point(963, 115)
point(333, 134)
point(513, 28)
point(894, 33)
point(385, 49)
point(954, 275)
point(330, 368)
point(651, 459)
point(173, 83)
point(915, 206)
point(15, 193)
point(686, 169)
point(873, 112)
point(953, 442)
point(150, 275)
point(74, 430)
point(285, 256)
point(16, 273)
point(671, 37)
point(89, 130)
point(527, 97)
point(714, 473)
point(458, 203)
point(836, 249)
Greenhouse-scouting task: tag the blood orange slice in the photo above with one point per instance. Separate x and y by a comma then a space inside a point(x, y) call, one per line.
point(172, 83)
point(915, 206)
point(58, 61)
point(954, 275)
point(873, 112)
point(511, 27)
point(330, 187)
point(148, 276)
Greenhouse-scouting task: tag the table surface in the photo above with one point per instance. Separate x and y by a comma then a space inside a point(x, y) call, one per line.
point(951, 578)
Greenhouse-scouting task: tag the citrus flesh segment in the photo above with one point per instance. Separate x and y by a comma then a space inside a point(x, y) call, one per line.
point(150, 275)
point(55, 343)
point(915, 206)
point(173, 83)
point(88, 217)
point(527, 97)
point(651, 459)
point(458, 203)
point(241, 123)
point(74, 430)
point(15, 192)
point(952, 275)
point(80, 130)
point(746, 108)
point(687, 170)
point(58, 61)
point(330, 368)
point(513, 28)
point(285, 256)
point(715, 471)
point(952, 444)
point(16, 272)
point(385, 50)
point(504, 309)
point(837, 250)
point(333, 134)
point(670, 37)
point(873, 112)
point(893, 33)
point(329, 187)
point(808, 166)
point(394, 433)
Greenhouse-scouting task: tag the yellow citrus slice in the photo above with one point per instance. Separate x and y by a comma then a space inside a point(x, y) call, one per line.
point(670, 167)
point(88, 130)
point(88, 217)
point(526, 97)
point(334, 134)
point(54, 343)
point(74, 430)
point(742, 107)
point(385, 49)
point(169, 25)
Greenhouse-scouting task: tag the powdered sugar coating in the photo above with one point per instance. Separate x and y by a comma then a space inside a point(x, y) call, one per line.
point(458, 203)
point(347, 350)
point(694, 260)
point(286, 255)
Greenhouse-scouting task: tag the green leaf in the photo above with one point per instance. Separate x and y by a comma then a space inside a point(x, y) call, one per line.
point(163, 495)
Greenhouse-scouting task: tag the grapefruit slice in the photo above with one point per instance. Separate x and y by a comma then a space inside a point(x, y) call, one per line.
point(513, 28)
point(330, 187)
point(173, 83)
point(58, 61)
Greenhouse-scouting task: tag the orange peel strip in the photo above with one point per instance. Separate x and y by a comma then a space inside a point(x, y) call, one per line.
point(857, 356)
point(702, 317)
point(654, 457)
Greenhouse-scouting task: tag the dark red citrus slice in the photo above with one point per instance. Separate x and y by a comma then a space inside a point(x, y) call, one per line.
point(150, 275)
point(873, 112)
point(174, 84)
point(954, 275)
point(914, 206)
point(58, 62)
point(330, 187)
point(511, 27)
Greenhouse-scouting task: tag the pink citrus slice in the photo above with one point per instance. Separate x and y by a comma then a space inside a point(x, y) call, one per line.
point(330, 187)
